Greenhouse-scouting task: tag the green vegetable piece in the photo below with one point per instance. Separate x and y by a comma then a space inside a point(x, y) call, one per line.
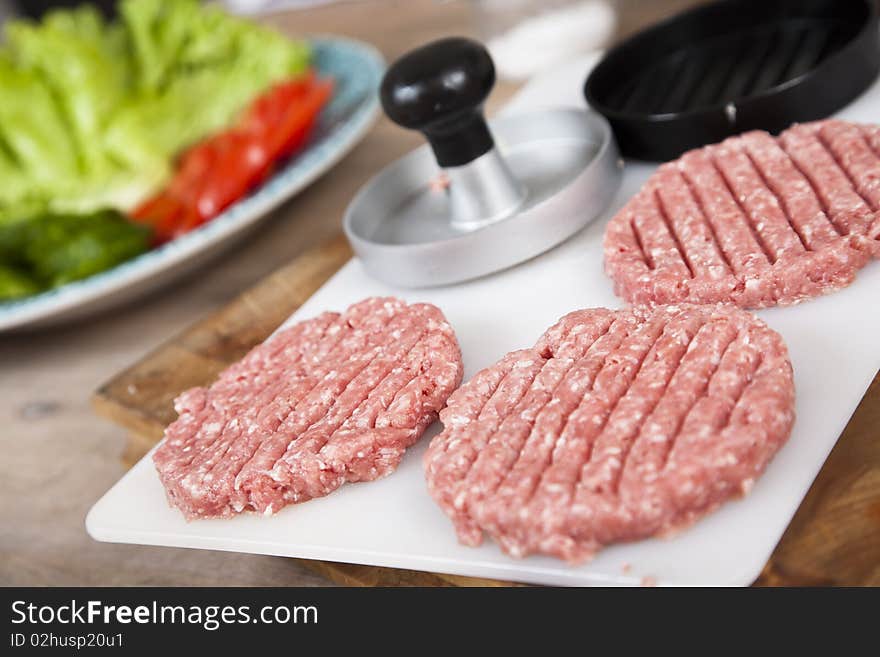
point(15, 284)
point(51, 250)
point(61, 249)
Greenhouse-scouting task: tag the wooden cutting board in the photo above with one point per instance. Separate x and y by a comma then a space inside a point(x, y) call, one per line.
point(834, 539)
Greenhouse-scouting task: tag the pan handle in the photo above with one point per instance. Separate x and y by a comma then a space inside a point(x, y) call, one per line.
point(439, 89)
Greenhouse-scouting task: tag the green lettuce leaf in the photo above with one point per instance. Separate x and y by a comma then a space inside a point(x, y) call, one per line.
point(94, 112)
point(185, 54)
point(86, 65)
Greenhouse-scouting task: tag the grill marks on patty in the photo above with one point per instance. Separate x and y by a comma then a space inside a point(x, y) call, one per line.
point(754, 220)
point(617, 425)
point(333, 399)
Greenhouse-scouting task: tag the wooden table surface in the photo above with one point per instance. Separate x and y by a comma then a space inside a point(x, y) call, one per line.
point(59, 458)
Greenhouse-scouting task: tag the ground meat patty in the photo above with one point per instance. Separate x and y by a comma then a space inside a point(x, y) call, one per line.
point(330, 400)
point(615, 426)
point(754, 220)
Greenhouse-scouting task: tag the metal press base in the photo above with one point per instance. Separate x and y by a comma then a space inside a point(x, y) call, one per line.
point(401, 226)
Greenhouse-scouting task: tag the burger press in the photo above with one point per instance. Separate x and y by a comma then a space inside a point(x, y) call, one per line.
point(478, 198)
point(731, 66)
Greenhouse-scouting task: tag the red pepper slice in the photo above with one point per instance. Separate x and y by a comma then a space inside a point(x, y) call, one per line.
point(220, 170)
point(162, 213)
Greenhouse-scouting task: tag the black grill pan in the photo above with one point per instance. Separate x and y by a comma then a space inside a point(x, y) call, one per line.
point(731, 66)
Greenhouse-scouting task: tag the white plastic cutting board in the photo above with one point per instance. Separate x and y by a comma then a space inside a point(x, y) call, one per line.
point(393, 522)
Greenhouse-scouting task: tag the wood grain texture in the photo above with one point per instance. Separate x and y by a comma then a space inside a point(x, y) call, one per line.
point(834, 538)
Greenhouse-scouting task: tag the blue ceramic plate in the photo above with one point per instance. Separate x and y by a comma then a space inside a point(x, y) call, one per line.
point(356, 69)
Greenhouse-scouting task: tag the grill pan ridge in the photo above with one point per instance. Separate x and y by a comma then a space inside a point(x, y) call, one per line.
point(732, 66)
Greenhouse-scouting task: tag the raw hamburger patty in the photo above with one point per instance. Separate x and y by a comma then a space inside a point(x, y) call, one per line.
point(615, 426)
point(754, 220)
point(330, 400)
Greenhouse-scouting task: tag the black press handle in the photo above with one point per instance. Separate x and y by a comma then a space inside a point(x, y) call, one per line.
point(440, 89)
